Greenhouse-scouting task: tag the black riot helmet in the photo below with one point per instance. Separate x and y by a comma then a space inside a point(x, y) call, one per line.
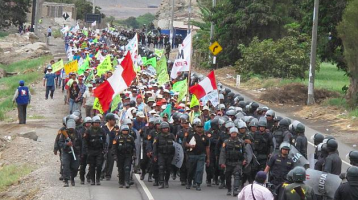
point(332, 145)
point(110, 116)
point(262, 123)
point(289, 176)
point(284, 123)
point(231, 94)
point(318, 138)
point(227, 90)
point(352, 175)
point(299, 174)
point(300, 128)
point(353, 157)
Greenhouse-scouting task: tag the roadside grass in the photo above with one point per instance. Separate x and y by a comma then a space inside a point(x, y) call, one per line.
point(57, 33)
point(328, 77)
point(28, 71)
point(11, 174)
point(3, 34)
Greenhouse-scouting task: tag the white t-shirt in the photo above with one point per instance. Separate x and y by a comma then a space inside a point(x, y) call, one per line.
point(89, 96)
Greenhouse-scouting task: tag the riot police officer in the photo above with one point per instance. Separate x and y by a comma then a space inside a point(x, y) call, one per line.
point(109, 130)
point(71, 144)
point(184, 132)
point(279, 165)
point(224, 135)
point(154, 165)
point(87, 122)
point(57, 148)
point(94, 144)
point(298, 190)
point(212, 171)
point(123, 149)
point(317, 139)
point(198, 150)
point(333, 163)
point(145, 160)
point(301, 140)
point(282, 134)
point(262, 146)
point(270, 119)
point(232, 159)
point(353, 158)
point(163, 152)
point(348, 190)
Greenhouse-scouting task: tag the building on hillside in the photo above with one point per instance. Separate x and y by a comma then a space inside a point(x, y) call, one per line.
point(56, 11)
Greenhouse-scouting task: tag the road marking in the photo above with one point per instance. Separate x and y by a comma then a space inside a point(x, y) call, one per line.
point(341, 159)
point(145, 188)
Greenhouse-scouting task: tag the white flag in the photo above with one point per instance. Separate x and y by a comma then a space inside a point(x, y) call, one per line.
point(94, 23)
point(182, 62)
point(132, 47)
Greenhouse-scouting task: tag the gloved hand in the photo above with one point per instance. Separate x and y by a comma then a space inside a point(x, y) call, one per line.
point(69, 144)
point(223, 166)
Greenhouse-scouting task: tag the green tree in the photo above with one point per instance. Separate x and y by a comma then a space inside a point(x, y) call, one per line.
point(13, 12)
point(287, 57)
point(83, 7)
point(348, 32)
point(329, 44)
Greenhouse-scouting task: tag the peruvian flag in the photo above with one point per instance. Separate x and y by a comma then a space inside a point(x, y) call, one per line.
point(205, 86)
point(118, 82)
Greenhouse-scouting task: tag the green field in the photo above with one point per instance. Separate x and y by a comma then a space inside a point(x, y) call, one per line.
point(11, 174)
point(3, 34)
point(29, 71)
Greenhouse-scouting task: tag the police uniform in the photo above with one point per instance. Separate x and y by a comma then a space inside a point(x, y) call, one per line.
point(232, 155)
point(222, 137)
point(94, 146)
point(181, 136)
point(279, 167)
point(281, 135)
point(262, 148)
point(196, 158)
point(57, 148)
point(69, 163)
point(163, 150)
point(83, 162)
point(333, 164)
point(123, 149)
point(212, 171)
point(107, 171)
point(154, 165)
point(145, 160)
point(301, 144)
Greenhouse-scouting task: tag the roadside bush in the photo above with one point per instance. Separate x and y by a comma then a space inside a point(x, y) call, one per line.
point(287, 57)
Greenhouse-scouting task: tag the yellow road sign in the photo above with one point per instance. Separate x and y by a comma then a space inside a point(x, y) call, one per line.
point(215, 48)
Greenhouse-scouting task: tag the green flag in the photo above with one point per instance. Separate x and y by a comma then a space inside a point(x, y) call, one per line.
point(85, 32)
point(83, 67)
point(97, 105)
point(182, 88)
point(105, 66)
point(116, 100)
point(159, 52)
point(95, 41)
point(152, 61)
point(168, 110)
point(162, 71)
point(194, 101)
point(144, 60)
point(115, 62)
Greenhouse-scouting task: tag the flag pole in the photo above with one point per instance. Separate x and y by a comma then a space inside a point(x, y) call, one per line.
point(189, 73)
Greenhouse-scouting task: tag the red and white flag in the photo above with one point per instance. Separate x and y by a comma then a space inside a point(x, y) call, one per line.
point(205, 86)
point(118, 82)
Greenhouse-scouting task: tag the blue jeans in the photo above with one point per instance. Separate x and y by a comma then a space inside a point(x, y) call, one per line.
point(48, 89)
point(74, 106)
point(196, 168)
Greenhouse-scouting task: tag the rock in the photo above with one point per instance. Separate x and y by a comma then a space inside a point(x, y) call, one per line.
point(31, 135)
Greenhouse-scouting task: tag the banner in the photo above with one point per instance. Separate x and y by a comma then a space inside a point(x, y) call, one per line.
point(182, 62)
point(83, 67)
point(144, 60)
point(71, 67)
point(194, 101)
point(97, 106)
point(105, 66)
point(178, 155)
point(213, 97)
point(57, 66)
point(168, 110)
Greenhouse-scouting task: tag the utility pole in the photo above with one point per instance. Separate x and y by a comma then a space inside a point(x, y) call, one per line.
point(188, 31)
point(311, 76)
point(33, 16)
point(171, 35)
point(212, 36)
point(93, 7)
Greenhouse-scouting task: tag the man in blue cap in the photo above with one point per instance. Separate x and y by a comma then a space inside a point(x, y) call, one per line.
point(22, 97)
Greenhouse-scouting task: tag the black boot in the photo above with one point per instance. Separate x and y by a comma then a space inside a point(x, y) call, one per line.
point(161, 185)
point(127, 184)
point(235, 193)
point(98, 182)
point(150, 178)
point(121, 185)
point(166, 184)
point(66, 183)
point(208, 183)
point(73, 182)
point(188, 186)
point(183, 183)
point(198, 188)
point(222, 185)
point(142, 176)
point(216, 182)
point(92, 182)
point(228, 193)
point(61, 178)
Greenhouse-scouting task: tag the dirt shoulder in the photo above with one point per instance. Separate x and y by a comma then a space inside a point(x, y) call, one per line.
point(329, 120)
